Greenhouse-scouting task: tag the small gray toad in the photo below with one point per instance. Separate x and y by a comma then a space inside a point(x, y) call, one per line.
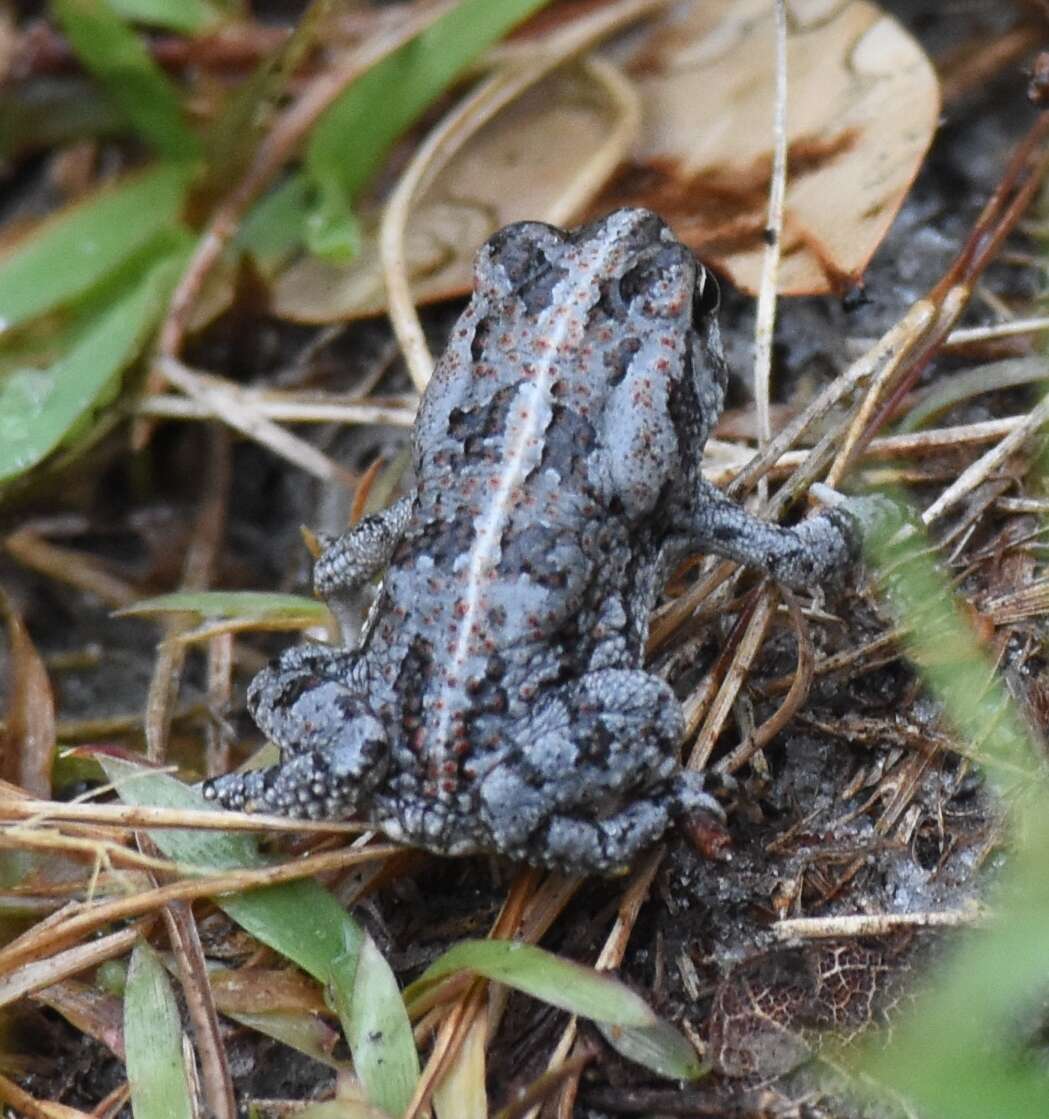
point(496, 700)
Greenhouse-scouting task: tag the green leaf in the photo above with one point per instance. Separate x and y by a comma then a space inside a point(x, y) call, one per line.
point(571, 986)
point(276, 225)
point(263, 607)
point(352, 138)
point(303, 922)
point(625, 1019)
point(959, 1051)
point(300, 919)
point(114, 54)
point(40, 408)
point(70, 252)
point(191, 17)
point(153, 1041)
point(375, 1022)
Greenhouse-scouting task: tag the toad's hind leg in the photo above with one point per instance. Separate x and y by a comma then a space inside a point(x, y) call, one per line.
point(596, 776)
point(334, 750)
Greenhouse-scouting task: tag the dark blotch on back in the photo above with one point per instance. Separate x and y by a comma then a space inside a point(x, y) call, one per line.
point(568, 443)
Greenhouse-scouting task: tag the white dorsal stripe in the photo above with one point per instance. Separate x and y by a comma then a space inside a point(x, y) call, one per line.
point(527, 419)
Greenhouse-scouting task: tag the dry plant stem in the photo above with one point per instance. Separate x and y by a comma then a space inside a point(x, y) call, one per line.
point(217, 757)
point(966, 335)
point(973, 475)
point(698, 702)
point(610, 957)
point(765, 320)
point(130, 816)
point(216, 1081)
point(888, 349)
point(531, 1099)
point(280, 146)
point(316, 408)
point(877, 924)
point(889, 640)
point(1019, 184)
point(796, 696)
point(232, 406)
point(197, 572)
point(742, 659)
point(461, 1016)
point(449, 137)
point(66, 565)
point(88, 918)
point(939, 317)
point(24, 1104)
point(41, 974)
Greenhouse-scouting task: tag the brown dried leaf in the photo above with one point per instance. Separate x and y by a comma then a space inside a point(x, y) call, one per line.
point(517, 166)
point(28, 745)
point(862, 106)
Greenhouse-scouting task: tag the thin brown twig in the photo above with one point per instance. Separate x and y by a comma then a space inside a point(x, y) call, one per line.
point(792, 703)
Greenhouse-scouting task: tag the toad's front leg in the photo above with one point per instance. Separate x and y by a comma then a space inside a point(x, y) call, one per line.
point(816, 552)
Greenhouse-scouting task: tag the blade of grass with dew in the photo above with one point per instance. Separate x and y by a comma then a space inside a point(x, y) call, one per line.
point(43, 408)
point(117, 58)
point(190, 17)
point(153, 1041)
point(300, 920)
point(258, 606)
point(69, 253)
point(353, 136)
point(958, 1051)
point(381, 1043)
point(577, 989)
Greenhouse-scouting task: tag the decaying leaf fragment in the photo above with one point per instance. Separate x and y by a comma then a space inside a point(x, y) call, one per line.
point(515, 167)
point(862, 106)
point(863, 103)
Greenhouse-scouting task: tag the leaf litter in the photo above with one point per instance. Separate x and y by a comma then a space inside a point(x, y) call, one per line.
point(826, 809)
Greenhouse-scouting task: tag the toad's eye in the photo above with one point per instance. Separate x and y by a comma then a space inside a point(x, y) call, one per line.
point(706, 296)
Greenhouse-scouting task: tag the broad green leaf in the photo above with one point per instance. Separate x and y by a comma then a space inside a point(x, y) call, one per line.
point(571, 986)
point(658, 1047)
point(352, 138)
point(191, 17)
point(276, 225)
point(255, 605)
point(40, 408)
point(375, 1022)
point(70, 252)
point(303, 922)
point(624, 1018)
point(115, 55)
point(153, 1041)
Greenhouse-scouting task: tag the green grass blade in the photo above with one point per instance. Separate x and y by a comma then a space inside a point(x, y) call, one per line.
point(571, 986)
point(153, 1041)
point(71, 252)
point(190, 17)
point(354, 135)
point(115, 55)
point(304, 923)
point(623, 1017)
point(40, 408)
point(257, 606)
point(958, 1051)
point(375, 1022)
